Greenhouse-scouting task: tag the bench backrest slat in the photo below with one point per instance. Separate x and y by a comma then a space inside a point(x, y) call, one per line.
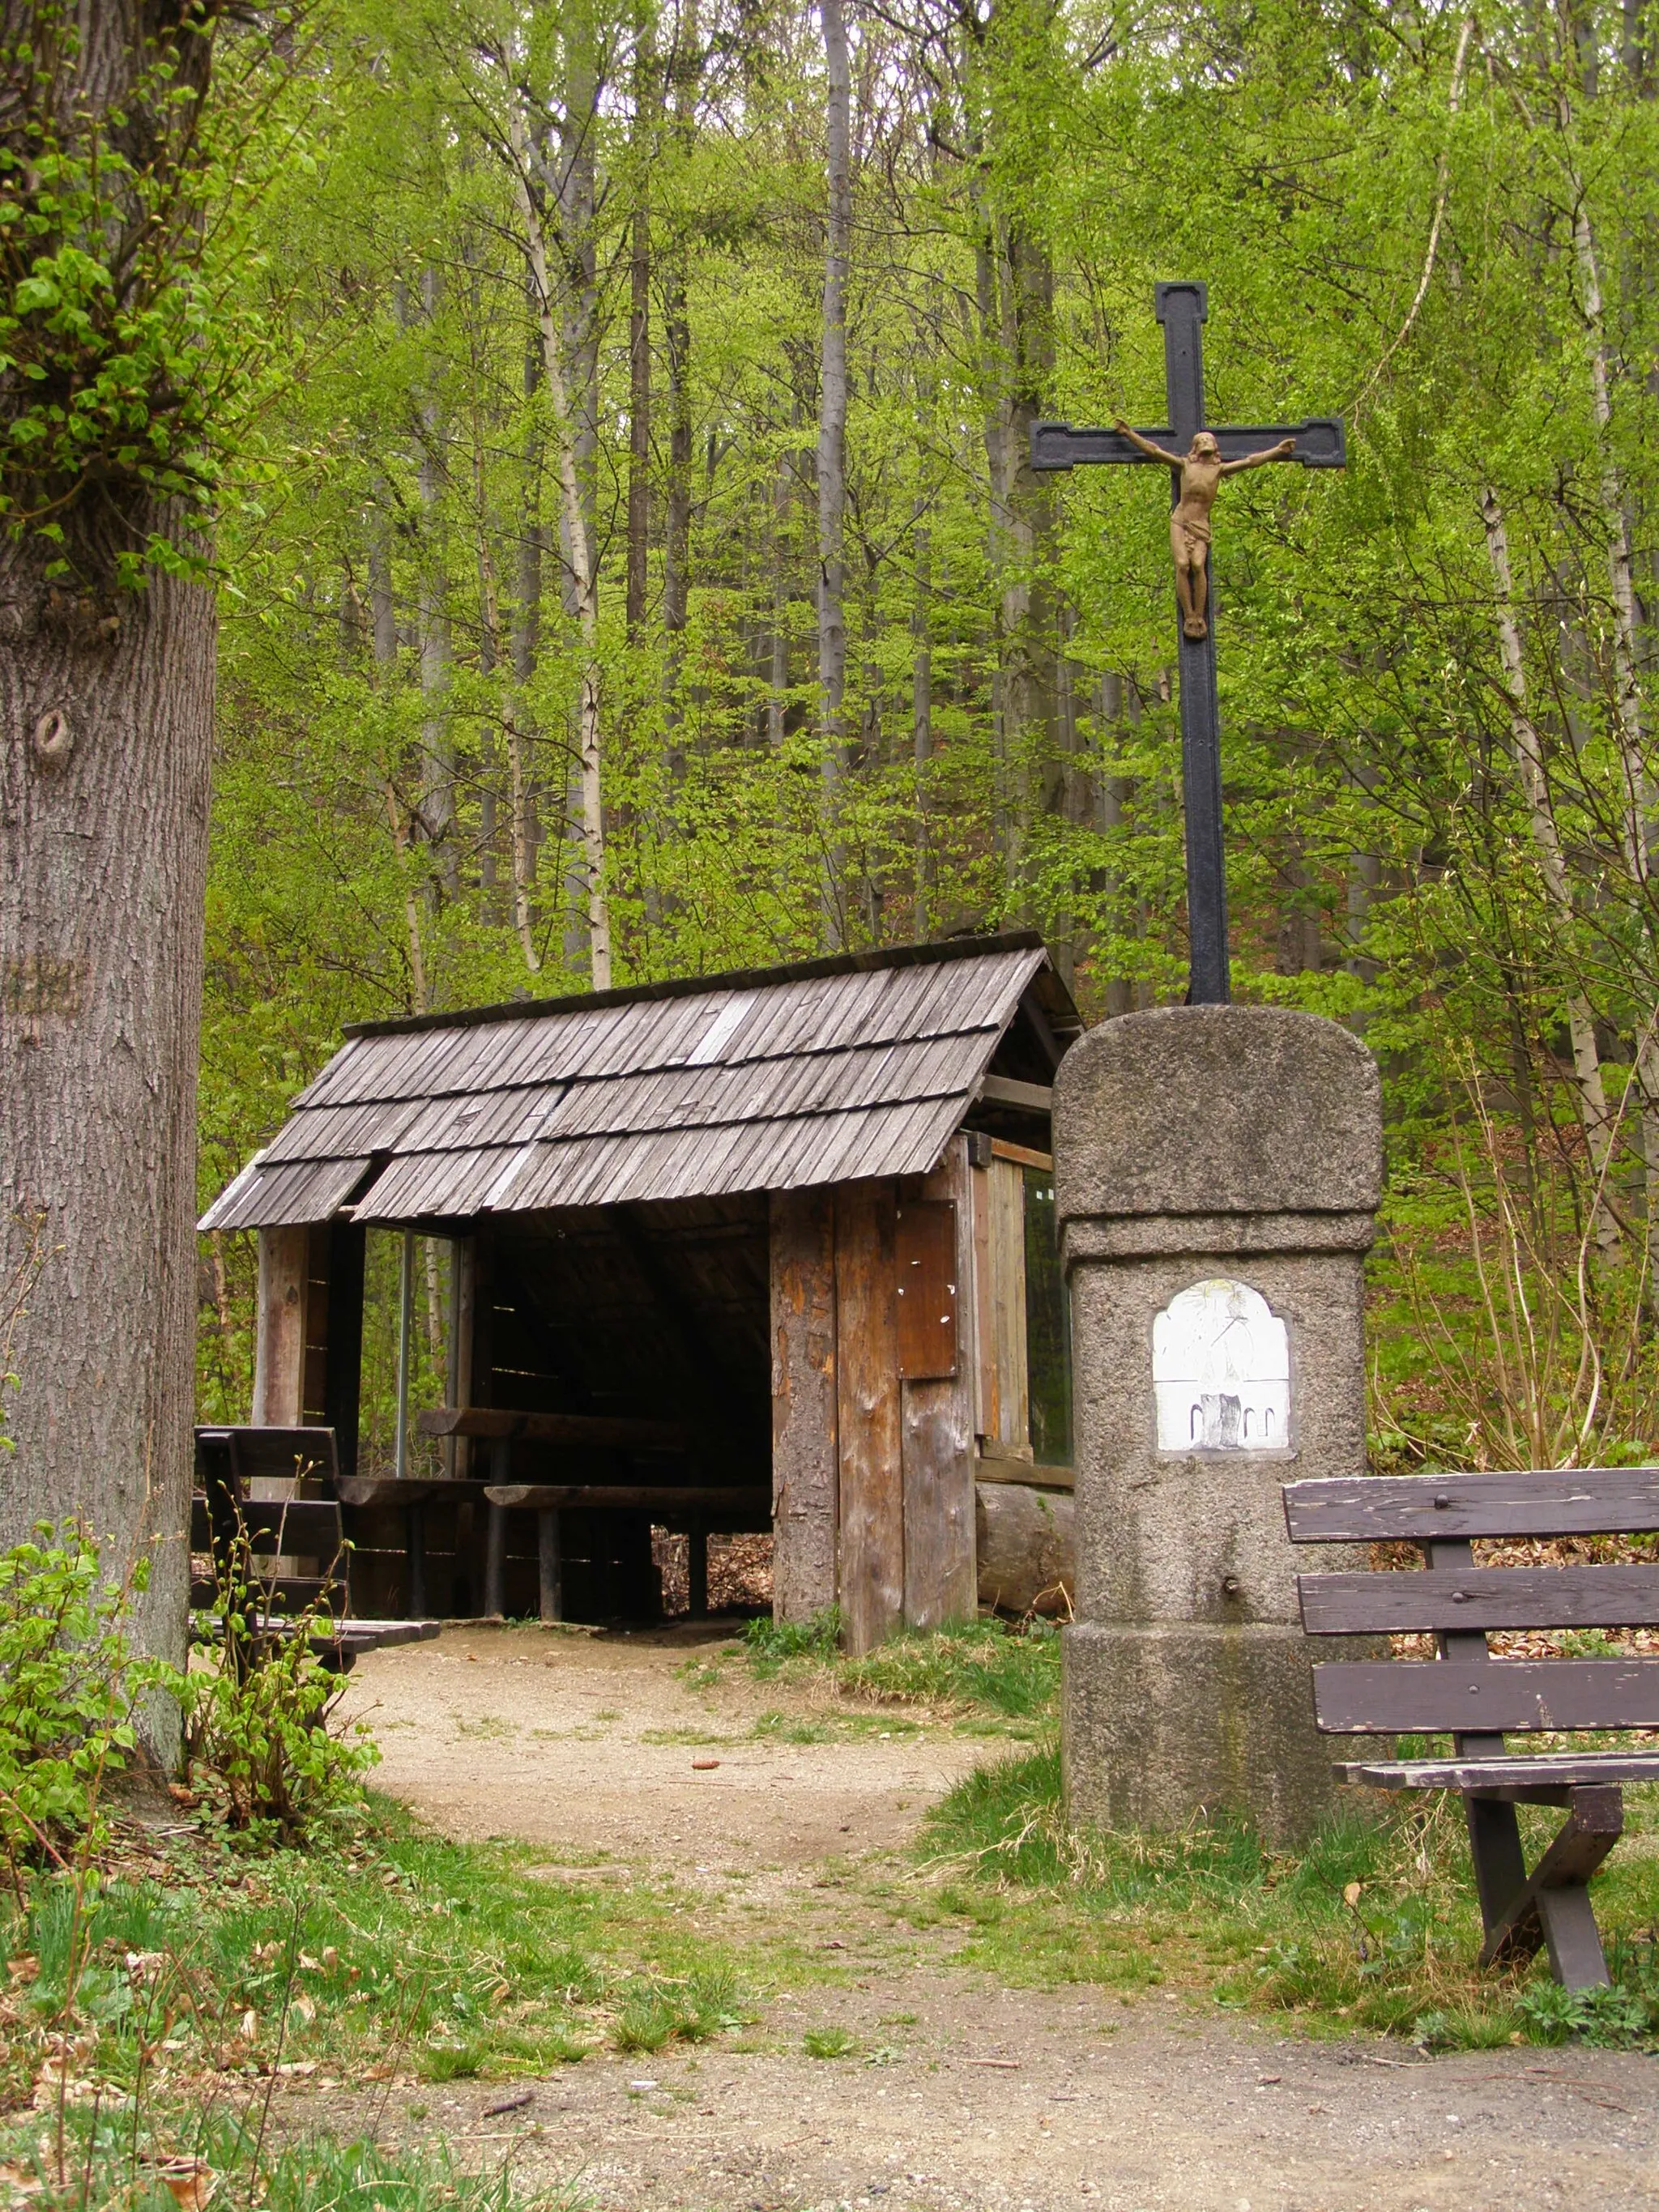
point(1390, 1698)
point(1384, 1604)
point(1364, 1509)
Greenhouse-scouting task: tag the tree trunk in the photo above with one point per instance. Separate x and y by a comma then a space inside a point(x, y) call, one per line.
point(639, 344)
point(1640, 796)
point(103, 865)
point(437, 808)
point(1540, 814)
point(584, 570)
point(832, 451)
point(922, 718)
point(526, 642)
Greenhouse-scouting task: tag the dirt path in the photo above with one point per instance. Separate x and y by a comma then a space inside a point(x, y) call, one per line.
point(955, 2095)
point(586, 1743)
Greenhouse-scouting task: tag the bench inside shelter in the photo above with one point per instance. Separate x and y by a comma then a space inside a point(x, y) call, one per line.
point(266, 1521)
point(1479, 1697)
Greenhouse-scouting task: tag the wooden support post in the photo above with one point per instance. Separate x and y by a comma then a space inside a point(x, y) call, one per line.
point(1006, 1187)
point(501, 1470)
point(343, 1382)
point(696, 1570)
point(867, 1421)
point(940, 1579)
point(463, 1312)
point(405, 1324)
point(549, 1564)
point(805, 1481)
point(415, 1561)
point(280, 1340)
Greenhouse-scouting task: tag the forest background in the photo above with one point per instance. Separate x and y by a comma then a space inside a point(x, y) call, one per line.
point(634, 569)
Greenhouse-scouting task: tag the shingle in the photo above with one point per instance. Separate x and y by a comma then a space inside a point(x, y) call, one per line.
point(816, 1079)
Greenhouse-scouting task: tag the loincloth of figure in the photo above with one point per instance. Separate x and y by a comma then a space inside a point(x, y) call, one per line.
point(1189, 539)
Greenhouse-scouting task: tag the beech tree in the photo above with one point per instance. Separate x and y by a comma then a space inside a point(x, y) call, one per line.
point(120, 358)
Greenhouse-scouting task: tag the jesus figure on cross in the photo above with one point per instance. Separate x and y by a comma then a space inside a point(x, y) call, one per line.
point(1201, 471)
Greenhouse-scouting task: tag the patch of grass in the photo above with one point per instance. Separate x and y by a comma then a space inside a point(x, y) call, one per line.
point(401, 1956)
point(983, 1666)
point(688, 2010)
point(1372, 1925)
point(768, 1643)
point(97, 2162)
point(826, 2043)
point(981, 1669)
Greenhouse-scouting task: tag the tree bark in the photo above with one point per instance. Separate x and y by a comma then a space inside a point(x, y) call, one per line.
point(832, 452)
point(103, 866)
point(107, 706)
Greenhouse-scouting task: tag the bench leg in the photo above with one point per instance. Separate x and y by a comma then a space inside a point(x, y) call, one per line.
point(415, 1560)
point(549, 1563)
point(1552, 1905)
point(1500, 1865)
point(697, 1572)
point(496, 1565)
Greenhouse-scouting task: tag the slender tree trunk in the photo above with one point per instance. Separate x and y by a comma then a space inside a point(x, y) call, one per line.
point(777, 697)
point(639, 340)
point(832, 452)
point(922, 718)
point(1588, 1086)
point(677, 342)
point(525, 645)
point(584, 571)
point(384, 639)
point(1030, 674)
point(437, 741)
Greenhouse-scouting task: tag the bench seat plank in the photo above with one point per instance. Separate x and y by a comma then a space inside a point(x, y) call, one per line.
point(1435, 1508)
point(1551, 1770)
point(407, 1490)
point(1391, 1696)
point(1401, 1603)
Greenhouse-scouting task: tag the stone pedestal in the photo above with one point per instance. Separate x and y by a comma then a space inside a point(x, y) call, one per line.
point(1217, 1169)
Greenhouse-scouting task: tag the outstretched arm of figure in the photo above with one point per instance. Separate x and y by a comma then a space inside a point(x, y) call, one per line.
point(1153, 453)
point(1282, 451)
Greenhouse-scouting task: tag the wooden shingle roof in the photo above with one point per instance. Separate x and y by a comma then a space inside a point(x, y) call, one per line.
point(768, 1079)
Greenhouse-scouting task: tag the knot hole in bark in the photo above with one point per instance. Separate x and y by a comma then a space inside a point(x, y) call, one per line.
point(54, 740)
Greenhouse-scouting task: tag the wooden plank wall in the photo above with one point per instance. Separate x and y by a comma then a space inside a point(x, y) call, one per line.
point(279, 1351)
point(1006, 1421)
point(867, 1415)
point(940, 1581)
point(805, 1484)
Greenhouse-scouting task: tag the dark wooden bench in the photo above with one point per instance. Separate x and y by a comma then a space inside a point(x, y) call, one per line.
point(1476, 1697)
point(267, 1496)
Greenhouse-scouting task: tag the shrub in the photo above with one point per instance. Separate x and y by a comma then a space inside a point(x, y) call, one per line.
point(67, 1682)
point(259, 1731)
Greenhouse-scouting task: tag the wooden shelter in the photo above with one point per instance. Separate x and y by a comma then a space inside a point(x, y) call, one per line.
point(772, 1249)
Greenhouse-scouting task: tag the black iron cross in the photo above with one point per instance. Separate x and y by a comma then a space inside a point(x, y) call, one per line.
point(1181, 309)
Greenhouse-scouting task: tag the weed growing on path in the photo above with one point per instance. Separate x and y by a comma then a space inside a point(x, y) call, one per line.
point(982, 1667)
point(1373, 1926)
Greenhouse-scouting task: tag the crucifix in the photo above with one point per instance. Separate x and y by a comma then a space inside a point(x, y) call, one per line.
point(1198, 456)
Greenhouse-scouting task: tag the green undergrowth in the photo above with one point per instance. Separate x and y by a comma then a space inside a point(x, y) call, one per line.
point(149, 1991)
point(986, 1668)
point(1371, 1926)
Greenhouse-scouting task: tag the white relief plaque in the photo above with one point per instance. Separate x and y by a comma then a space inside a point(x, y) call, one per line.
point(1221, 1370)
